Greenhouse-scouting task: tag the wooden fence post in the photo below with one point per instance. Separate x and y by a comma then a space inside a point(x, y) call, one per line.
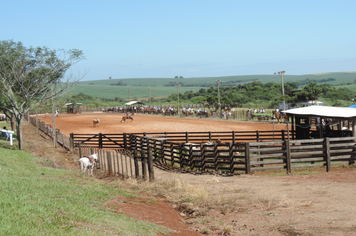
point(283, 135)
point(257, 136)
point(150, 166)
point(129, 154)
point(80, 150)
point(122, 164)
point(108, 156)
point(71, 142)
point(231, 155)
point(288, 157)
point(327, 154)
point(186, 137)
point(137, 170)
point(100, 140)
point(125, 142)
point(172, 153)
point(144, 164)
point(247, 158)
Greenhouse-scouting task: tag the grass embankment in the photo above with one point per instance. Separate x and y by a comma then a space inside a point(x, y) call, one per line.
point(38, 200)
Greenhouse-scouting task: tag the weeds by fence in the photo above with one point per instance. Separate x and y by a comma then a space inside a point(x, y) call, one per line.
point(62, 139)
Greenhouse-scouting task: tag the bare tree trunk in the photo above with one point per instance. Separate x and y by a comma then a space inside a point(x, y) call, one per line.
point(19, 121)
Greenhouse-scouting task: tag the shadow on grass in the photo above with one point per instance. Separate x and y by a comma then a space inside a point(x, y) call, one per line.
point(6, 145)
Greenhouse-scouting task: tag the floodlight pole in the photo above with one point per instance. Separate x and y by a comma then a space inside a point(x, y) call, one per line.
point(284, 102)
point(219, 104)
point(178, 98)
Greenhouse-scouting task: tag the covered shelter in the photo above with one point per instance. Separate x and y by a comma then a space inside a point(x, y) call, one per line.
point(132, 106)
point(322, 121)
point(134, 103)
point(73, 108)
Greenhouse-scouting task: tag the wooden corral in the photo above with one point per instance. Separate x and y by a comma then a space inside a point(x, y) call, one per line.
point(194, 151)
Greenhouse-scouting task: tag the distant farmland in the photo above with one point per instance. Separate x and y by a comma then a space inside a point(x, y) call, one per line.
point(139, 87)
point(107, 91)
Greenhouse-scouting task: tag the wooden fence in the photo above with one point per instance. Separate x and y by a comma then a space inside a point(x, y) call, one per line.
point(248, 157)
point(126, 164)
point(239, 152)
point(62, 139)
point(117, 141)
point(234, 114)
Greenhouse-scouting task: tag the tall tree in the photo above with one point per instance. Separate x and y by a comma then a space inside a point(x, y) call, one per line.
point(27, 76)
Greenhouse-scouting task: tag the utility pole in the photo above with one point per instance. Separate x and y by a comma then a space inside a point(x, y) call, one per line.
point(178, 98)
point(219, 104)
point(150, 98)
point(284, 102)
point(53, 122)
point(129, 95)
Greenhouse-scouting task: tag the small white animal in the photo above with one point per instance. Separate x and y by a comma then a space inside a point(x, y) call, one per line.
point(88, 162)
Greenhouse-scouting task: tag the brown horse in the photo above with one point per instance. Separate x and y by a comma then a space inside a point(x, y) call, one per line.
point(124, 118)
point(280, 116)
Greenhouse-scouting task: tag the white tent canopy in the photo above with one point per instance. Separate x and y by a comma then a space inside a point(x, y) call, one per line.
point(133, 103)
point(323, 111)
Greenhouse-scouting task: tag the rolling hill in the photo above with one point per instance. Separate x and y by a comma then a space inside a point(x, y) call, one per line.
point(140, 87)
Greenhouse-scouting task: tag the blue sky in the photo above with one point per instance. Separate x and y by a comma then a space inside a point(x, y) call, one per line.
point(195, 38)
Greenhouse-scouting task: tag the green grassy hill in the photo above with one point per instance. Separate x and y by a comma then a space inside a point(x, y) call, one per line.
point(139, 87)
point(139, 92)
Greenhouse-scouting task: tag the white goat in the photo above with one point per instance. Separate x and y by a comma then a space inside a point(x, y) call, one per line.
point(88, 162)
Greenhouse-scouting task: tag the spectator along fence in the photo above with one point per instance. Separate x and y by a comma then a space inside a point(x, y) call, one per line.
point(229, 152)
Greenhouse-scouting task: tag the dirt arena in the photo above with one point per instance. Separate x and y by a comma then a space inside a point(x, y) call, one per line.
point(111, 123)
point(258, 204)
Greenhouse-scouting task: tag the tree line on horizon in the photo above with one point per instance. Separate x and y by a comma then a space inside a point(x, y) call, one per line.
point(254, 94)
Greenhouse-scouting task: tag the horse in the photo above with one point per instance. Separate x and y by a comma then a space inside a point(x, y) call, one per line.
point(88, 162)
point(96, 122)
point(124, 118)
point(279, 116)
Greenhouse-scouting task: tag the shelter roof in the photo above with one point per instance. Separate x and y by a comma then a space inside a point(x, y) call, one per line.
point(133, 103)
point(323, 111)
point(68, 104)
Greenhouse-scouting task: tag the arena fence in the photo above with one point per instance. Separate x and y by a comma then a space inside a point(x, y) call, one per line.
point(62, 139)
point(226, 153)
point(239, 114)
point(249, 157)
point(117, 141)
point(123, 163)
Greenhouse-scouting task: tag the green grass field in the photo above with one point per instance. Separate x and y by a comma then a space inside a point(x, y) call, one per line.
point(139, 88)
point(38, 200)
point(140, 92)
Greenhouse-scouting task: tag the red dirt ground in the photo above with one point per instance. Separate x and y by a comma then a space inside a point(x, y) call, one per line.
point(111, 123)
point(312, 204)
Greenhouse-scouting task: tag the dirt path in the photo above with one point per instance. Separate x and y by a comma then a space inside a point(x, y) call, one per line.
point(314, 204)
